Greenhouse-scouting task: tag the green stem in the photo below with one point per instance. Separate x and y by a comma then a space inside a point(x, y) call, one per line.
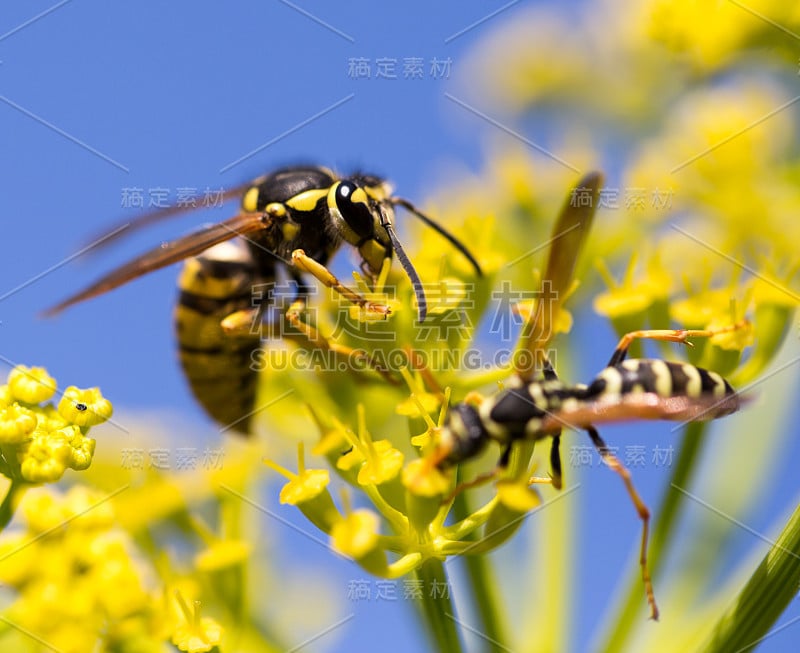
point(769, 591)
point(487, 603)
point(483, 592)
point(633, 605)
point(396, 518)
point(437, 608)
point(10, 502)
point(470, 522)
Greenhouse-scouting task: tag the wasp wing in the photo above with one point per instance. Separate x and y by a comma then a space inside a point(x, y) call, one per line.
point(566, 242)
point(642, 406)
point(570, 231)
point(168, 253)
point(124, 228)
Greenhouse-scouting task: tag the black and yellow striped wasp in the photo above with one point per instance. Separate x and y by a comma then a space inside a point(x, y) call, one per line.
point(294, 220)
point(534, 405)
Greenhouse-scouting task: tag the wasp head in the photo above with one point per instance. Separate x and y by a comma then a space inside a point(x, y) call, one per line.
point(362, 214)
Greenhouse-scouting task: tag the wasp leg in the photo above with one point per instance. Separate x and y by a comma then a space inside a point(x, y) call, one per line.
point(482, 479)
point(555, 479)
point(669, 335)
point(248, 322)
point(316, 339)
point(304, 290)
point(242, 323)
point(474, 399)
point(644, 514)
point(548, 372)
point(555, 462)
point(316, 269)
point(418, 364)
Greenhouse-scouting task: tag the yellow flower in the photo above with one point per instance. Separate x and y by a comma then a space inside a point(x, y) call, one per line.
point(701, 308)
point(45, 457)
point(16, 424)
point(223, 554)
point(18, 561)
point(357, 534)
point(198, 637)
point(307, 485)
point(44, 511)
point(84, 407)
point(517, 496)
point(383, 464)
point(427, 402)
point(195, 634)
point(49, 454)
point(379, 462)
point(308, 491)
point(709, 33)
point(425, 480)
point(775, 307)
point(725, 167)
point(77, 584)
point(118, 586)
point(446, 295)
point(31, 385)
point(632, 297)
point(50, 419)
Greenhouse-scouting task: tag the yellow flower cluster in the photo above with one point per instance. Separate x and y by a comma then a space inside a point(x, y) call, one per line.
point(410, 521)
point(715, 34)
point(412, 501)
point(72, 572)
point(79, 580)
point(40, 441)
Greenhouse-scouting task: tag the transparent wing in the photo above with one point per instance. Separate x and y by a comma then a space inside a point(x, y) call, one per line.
point(643, 406)
point(168, 253)
point(569, 234)
point(124, 228)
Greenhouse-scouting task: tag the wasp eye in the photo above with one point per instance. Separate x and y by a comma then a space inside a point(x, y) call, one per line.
point(353, 203)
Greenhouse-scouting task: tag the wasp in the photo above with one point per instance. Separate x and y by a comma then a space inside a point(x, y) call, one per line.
point(536, 406)
point(293, 220)
point(627, 389)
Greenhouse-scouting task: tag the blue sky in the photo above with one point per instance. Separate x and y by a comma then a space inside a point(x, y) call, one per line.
point(99, 98)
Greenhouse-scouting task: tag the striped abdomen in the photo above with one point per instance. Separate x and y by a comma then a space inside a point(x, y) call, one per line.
point(633, 389)
point(663, 378)
point(217, 365)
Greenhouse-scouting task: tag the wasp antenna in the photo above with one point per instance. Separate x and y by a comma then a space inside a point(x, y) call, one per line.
point(455, 242)
point(416, 282)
